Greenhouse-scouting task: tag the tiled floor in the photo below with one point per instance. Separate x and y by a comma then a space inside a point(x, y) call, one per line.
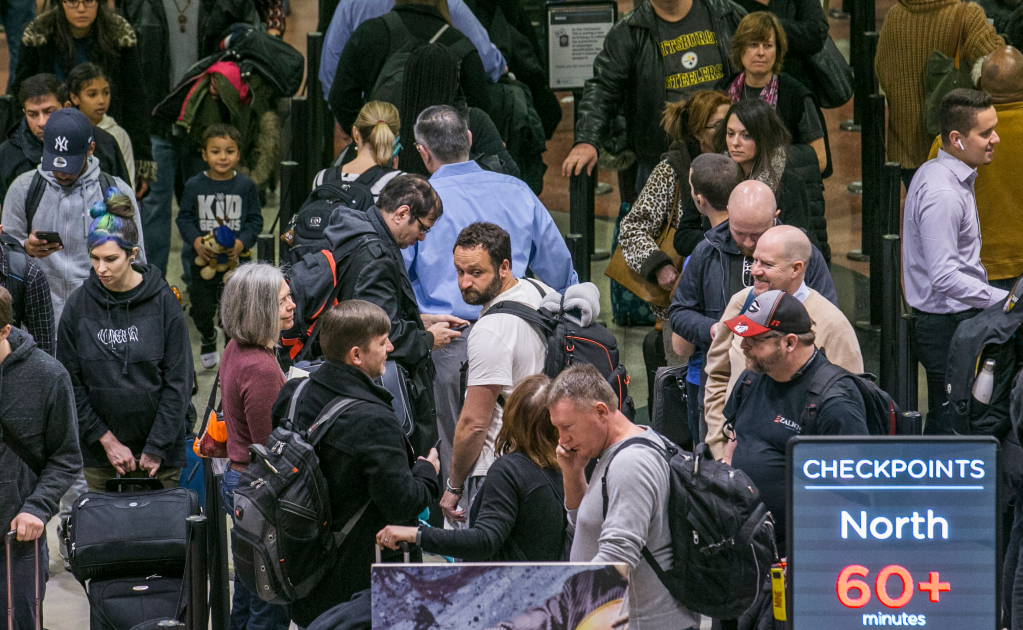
point(66, 607)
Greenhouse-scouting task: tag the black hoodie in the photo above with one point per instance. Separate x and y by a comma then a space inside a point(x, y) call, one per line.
point(37, 416)
point(22, 152)
point(130, 363)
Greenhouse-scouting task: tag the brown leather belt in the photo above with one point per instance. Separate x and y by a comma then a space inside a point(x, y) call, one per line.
point(238, 467)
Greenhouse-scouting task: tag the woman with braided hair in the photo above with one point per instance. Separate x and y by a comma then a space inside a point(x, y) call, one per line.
point(432, 78)
point(123, 339)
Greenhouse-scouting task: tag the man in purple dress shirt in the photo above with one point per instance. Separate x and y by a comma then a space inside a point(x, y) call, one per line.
point(944, 280)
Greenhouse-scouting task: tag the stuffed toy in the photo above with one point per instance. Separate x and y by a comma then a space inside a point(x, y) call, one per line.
point(220, 241)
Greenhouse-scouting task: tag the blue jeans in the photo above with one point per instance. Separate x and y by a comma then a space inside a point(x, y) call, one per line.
point(175, 158)
point(248, 611)
point(15, 15)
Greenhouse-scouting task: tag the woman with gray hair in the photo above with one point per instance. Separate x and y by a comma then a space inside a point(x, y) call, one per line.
point(256, 306)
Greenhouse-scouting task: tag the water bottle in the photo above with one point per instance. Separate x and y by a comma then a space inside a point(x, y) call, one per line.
point(985, 383)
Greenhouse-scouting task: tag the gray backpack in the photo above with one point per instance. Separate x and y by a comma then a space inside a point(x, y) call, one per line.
point(282, 539)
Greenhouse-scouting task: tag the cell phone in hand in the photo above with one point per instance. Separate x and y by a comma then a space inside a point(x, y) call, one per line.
point(50, 237)
point(459, 326)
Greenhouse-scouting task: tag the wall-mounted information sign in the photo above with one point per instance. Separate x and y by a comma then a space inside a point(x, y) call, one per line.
point(575, 35)
point(893, 532)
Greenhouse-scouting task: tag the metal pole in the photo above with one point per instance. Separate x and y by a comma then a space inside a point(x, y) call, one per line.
point(266, 248)
point(873, 218)
point(908, 372)
point(891, 307)
point(300, 150)
point(197, 612)
point(216, 545)
point(890, 220)
point(317, 102)
point(580, 210)
point(575, 249)
point(289, 185)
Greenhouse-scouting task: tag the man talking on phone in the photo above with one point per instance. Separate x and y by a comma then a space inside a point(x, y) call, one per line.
point(47, 208)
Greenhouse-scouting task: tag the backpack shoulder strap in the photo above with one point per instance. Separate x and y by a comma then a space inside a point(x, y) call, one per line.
point(440, 31)
point(397, 31)
point(822, 382)
point(35, 195)
point(294, 402)
point(536, 285)
point(326, 419)
point(533, 317)
point(372, 175)
point(106, 181)
point(665, 453)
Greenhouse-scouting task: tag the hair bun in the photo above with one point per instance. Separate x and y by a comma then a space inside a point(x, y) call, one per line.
point(97, 209)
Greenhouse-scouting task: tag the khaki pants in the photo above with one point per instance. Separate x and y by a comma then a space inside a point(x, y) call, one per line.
point(97, 476)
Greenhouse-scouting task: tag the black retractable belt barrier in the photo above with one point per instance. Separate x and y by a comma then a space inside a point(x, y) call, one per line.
point(580, 217)
point(266, 248)
point(300, 142)
point(197, 612)
point(216, 545)
point(291, 188)
point(320, 120)
point(874, 183)
point(579, 259)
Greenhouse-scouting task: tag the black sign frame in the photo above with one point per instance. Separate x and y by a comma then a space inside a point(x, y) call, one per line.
point(792, 566)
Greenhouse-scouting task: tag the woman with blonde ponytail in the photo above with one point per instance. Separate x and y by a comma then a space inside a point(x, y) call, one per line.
point(375, 135)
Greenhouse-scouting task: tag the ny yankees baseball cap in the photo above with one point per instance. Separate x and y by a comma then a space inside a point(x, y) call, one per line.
point(66, 140)
point(772, 310)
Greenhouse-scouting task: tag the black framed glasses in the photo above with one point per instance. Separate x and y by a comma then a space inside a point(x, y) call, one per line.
point(422, 227)
point(71, 4)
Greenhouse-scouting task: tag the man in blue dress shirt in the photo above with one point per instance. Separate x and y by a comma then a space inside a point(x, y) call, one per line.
point(471, 194)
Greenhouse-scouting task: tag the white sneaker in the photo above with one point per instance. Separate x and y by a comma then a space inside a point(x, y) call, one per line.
point(210, 359)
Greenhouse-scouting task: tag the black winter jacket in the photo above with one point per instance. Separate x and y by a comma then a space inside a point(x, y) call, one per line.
point(22, 152)
point(371, 267)
point(803, 170)
point(37, 415)
point(129, 104)
point(364, 457)
point(130, 363)
point(702, 292)
point(806, 29)
point(629, 74)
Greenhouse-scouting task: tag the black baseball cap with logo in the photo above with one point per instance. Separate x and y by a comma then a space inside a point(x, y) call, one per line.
point(66, 140)
point(772, 310)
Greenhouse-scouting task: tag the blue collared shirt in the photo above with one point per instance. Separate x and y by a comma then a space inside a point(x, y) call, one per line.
point(941, 264)
point(351, 13)
point(471, 194)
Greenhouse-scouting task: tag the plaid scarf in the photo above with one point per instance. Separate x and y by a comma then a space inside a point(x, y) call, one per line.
point(769, 94)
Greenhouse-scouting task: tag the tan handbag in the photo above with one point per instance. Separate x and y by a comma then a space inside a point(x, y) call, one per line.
point(619, 271)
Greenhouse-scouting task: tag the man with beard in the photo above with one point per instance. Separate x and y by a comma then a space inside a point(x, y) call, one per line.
point(503, 349)
point(768, 406)
point(779, 262)
point(471, 194)
point(721, 266)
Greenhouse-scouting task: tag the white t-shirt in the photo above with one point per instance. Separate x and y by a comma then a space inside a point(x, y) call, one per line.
point(504, 350)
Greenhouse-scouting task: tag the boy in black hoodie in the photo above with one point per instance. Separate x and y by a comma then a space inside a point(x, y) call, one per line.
point(218, 197)
point(39, 455)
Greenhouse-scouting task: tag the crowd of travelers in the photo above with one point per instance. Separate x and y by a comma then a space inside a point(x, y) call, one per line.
point(457, 428)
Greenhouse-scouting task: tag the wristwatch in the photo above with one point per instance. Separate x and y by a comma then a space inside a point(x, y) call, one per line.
point(455, 491)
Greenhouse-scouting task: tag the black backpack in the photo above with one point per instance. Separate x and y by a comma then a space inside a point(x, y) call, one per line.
point(992, 334)
point(282, 538)
point(722, 535)
point(569, 343)
point(389, 84)
point(14, 281)
point(309, 223)
point(38, 187)
point(882, 414)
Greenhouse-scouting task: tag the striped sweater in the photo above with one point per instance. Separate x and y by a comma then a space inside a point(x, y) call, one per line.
point(912, 29)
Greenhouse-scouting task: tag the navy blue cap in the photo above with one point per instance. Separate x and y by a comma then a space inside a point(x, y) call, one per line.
point(66, 140)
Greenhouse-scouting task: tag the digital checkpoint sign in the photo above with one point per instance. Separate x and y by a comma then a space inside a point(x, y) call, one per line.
point(893, 531)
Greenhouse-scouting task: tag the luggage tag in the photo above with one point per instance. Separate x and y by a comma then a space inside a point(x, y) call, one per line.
point(778, 590)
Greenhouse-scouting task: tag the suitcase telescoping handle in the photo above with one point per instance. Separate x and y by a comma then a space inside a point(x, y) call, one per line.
point(147, 483)
point(8, 542)
point(404, 548)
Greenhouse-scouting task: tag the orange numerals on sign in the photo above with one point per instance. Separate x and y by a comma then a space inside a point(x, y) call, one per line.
point(848, 583)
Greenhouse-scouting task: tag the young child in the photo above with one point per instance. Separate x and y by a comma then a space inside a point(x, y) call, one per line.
point(217, 197)
point(88, 90)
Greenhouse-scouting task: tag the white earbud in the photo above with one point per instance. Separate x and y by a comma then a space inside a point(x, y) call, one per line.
point(960, 143)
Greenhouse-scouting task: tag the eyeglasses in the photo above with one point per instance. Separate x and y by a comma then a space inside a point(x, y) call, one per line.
point(764, 337)
point(72, 4)
point(422, 228)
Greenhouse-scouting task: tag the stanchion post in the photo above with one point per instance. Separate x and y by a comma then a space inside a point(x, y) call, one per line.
point(290, 184)
point(300, 149)
point(875, 186)
point(580, 211)
point(216, 545)
point(580, 262)
point(266, 248)
point(908, 372)
point(197, 611)
point(318, 106)
point(891, 311)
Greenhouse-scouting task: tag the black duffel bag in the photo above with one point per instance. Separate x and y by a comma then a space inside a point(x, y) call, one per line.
point(114, 534)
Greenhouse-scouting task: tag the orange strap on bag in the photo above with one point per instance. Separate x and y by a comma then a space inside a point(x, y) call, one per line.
point(212, 439)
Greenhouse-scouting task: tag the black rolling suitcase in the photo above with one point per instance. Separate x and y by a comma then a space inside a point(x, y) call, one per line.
point(8, 541)
point(130, 552)
point(669, 415)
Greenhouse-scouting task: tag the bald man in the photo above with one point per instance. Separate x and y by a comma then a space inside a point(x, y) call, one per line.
point(779, 263)
point(721, 265)
point(999, 205)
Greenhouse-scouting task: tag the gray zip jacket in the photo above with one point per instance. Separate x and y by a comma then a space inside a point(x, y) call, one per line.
point(66, 211)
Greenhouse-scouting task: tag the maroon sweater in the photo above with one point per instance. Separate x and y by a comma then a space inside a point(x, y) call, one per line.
point(250, 380)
